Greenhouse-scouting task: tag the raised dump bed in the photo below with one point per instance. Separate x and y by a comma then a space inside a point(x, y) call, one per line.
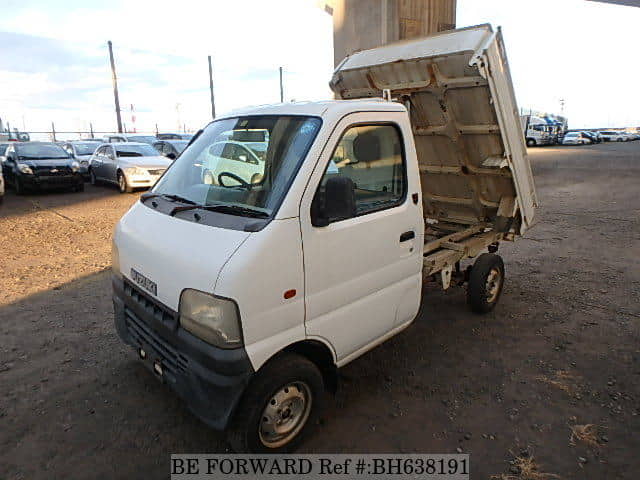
point(477, 186)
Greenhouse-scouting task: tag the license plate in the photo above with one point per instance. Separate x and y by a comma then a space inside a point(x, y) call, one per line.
point(144, 282)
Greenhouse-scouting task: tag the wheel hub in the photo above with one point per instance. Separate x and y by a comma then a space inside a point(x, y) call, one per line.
point(285, 414)
point(492, 287)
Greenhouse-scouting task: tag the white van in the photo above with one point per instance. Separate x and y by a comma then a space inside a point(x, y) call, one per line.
point(245, 296)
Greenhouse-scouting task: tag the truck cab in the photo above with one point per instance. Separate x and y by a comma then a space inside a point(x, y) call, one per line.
point(245, 293)
point(537, 131)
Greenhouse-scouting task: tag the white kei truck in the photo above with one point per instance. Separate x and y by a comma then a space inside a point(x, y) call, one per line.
point(246, 296)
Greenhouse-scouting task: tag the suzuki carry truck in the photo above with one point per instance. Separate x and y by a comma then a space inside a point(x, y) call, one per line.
point(245, 293)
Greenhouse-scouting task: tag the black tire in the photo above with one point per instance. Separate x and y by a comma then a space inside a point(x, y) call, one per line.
point(123, 186)
point(245, 431)
point(482, 293)
point(531, 142)
point(18, 187)
point(92, 177)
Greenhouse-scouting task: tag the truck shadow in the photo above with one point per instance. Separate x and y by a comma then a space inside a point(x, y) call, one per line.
point(76, 401)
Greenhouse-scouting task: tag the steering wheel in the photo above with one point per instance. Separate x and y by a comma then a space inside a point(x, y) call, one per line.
point(235, 177)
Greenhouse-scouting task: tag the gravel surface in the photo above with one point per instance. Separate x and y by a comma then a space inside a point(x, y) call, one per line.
point(551, 378)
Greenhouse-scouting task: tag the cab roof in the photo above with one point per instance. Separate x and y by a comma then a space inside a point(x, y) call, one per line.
point(319, 109)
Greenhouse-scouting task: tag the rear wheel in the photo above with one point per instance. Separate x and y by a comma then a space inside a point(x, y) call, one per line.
point(485, 282)
point(122, 183)
point(281, 405)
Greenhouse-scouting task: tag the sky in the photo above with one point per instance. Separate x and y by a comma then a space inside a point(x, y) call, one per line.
point(54, 64)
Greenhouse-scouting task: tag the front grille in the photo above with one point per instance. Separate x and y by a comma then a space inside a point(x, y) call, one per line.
point(144, 335)
point(141, 329)
point(47, 171)
point(150, 306)
point(158, 171)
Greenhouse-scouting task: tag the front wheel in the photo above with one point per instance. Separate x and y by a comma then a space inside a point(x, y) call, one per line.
point(281, 405)
point(531, 142)
point(485, 283)
point(18, 187)
point(123, 185)
point(92, 177)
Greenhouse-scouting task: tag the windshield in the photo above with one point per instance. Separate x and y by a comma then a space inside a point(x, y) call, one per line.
point(142, 138)
point(85, 148)
point(136, 151)
point(215, 170)
point(41, 151)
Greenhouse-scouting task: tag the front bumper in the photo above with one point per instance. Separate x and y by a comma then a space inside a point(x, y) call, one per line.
point(51, 181)
point(211, 380)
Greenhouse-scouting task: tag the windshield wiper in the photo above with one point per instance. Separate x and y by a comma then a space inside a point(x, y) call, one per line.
point(223, 208)
point(175, 198)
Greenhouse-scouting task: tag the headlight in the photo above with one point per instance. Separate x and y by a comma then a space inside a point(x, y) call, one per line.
point(75, 166)
point(136, 171)
point(212, 319)
point(25, 169)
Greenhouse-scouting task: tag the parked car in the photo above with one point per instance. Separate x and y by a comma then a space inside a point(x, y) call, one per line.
point(174, 136)
point(612, 136)
point(1, 185)
point(223, 157)
point(594, 135)
point(3, 150)
point(82, 152)
point(171, 148)
point(122, 137)
point(127, 164)
point(576, 138)
point(40, 165)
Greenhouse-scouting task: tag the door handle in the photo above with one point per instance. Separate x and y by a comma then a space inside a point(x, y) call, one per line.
point(410, 235)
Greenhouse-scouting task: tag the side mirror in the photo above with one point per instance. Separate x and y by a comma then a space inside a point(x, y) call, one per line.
point(242, 158)
point(171, 155)
point(339, 202)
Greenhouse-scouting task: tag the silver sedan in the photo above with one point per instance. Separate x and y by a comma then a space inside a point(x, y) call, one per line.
point(129, 165)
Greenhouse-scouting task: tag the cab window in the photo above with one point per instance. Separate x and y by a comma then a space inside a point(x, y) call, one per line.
point(371, 157)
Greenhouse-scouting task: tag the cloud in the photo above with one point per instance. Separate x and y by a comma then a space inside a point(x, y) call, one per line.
point(161, 58)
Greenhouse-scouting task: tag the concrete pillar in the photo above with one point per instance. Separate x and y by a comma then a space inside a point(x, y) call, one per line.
point(362, 24)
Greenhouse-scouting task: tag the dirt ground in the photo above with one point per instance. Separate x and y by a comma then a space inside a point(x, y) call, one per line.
point(551, 378)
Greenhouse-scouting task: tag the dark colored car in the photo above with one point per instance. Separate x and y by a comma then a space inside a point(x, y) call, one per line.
point(171, 148)
point(40, 165)
point(174, 136)
point(594, 137)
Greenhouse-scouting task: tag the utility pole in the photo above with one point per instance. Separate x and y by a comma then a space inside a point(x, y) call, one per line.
point(281, 89)
point(114, 78)
point(53, 131)
point(91, 129)
point(213, 103)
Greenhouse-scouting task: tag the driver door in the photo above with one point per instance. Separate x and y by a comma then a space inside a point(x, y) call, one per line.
point(363, 273)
